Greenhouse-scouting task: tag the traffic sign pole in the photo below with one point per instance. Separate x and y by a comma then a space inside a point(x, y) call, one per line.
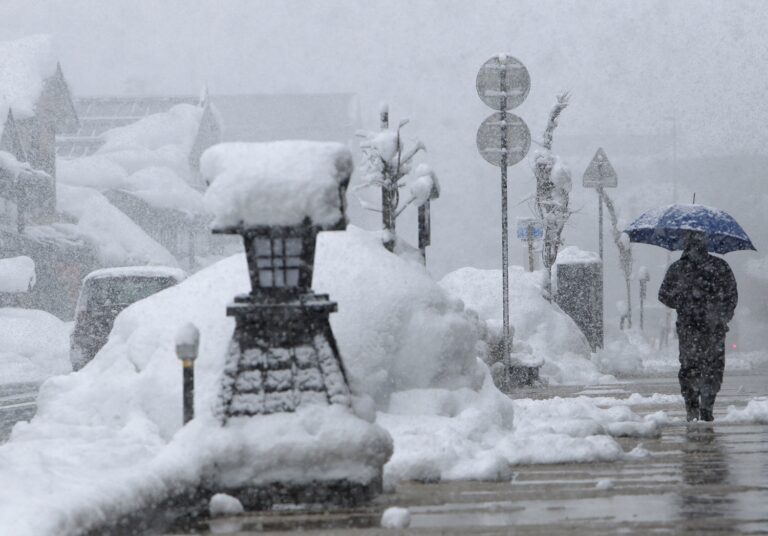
point(504, 217)
point(530, 247)
point(503, 140)
point(600, 220)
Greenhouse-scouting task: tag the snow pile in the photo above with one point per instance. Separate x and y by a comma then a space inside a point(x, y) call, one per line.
point(396, 518)
point(396, 328)
point(551, 334)
point(35, 345)
point(118, 239)
point(148, 158)
point(630, 352)
point(470, 435)
point(224, 505)
point(276, 183)
point(756, 410)
point(17, 274)
point(24, 66)
point(107, 439)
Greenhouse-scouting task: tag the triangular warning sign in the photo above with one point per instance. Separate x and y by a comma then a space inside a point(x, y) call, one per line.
point(600, 172)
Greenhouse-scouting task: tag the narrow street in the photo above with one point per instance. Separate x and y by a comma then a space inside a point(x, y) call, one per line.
point(697, 479)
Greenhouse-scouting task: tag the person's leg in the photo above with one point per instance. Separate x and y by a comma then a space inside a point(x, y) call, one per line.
point(690, 373)
point(712, 377)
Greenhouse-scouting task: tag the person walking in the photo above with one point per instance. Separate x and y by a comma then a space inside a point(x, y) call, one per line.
point(702, 289)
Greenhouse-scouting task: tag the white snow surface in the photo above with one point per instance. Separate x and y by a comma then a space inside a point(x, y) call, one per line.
point(396, 518)
point(35, 345)
point(24, 65)
point(148, 158)
point(119, 241)
point(396, 328)
point(574, 255)
point(222, 504)
point(276, 183)
point(755, 411)
point(551, 334)
point(17, 274)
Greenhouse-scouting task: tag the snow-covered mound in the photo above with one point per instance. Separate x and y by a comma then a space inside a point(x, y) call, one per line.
point(276, 183)
point(17, 274)
point(34, 345)
point(396, 328)
point(108, 438)
point(148, 158)
point(551, 334)
point(118, 240)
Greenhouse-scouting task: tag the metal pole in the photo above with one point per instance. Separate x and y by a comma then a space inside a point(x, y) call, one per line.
point(504, 221)
point(188, 380)
point(600, 220)
point(530, 247)
point(642, 299)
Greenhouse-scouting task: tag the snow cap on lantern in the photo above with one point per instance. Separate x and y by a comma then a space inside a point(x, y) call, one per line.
point(281, 183)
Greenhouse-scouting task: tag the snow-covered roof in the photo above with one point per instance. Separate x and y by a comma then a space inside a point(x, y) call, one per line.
point(24, 65)
point(138, 271)
point(148, 158)
point(276, 183)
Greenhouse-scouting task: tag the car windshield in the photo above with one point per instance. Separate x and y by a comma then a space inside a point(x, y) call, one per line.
point(124, 290)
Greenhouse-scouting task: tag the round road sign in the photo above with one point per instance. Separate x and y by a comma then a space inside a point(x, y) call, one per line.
point(503, 82)
point(494, 130)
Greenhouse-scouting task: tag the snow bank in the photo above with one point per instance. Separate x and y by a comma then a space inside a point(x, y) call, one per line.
point(551, 334)
point(276, 183)
point(17, 274)
point(396, 518)
point(24, 65)
point(470, 435)
point(396, 328)
point(148, 158)
point(118, 239)
point(35, 345)
point(107, 439)
point(756, 411)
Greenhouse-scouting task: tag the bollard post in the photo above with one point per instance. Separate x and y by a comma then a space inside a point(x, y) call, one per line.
point(187, 344)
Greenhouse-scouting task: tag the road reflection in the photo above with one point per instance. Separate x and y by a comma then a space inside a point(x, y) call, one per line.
point(704, 469)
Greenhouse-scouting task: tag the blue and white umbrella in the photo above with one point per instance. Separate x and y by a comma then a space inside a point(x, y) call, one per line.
point(667, 227)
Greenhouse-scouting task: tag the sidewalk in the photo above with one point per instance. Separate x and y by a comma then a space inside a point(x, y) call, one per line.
point(699, 478)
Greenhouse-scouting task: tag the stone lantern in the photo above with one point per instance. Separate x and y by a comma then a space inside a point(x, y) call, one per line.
point(283, 353)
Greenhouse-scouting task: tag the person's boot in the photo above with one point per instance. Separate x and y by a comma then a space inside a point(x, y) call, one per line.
point(691, 411)
point(705, 414)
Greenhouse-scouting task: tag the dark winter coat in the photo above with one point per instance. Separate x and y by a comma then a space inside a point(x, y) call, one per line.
point(702, 289)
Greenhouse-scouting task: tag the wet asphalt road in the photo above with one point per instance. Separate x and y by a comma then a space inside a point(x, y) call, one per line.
point(701, 479)
point(17, 403)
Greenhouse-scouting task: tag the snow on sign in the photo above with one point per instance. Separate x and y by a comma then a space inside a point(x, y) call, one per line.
point(503, 133)
point(600, 172)
point(503, 82)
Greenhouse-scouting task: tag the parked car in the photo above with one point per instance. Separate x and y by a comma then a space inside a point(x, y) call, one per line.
point(103, 295)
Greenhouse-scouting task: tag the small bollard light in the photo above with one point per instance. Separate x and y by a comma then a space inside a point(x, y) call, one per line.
point(187, 343)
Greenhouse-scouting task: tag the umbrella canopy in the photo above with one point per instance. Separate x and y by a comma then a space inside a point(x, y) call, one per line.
point(667, 227)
